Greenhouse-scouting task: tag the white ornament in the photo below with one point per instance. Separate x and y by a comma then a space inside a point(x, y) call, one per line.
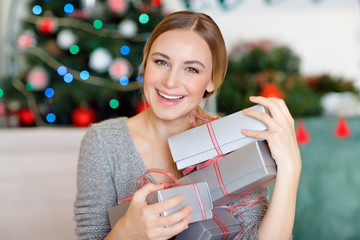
point(128, 28)
point(100, 60)
point(65, 39)
point(120, 68)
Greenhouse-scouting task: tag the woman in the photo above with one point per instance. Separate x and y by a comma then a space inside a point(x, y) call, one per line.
point(184, 61)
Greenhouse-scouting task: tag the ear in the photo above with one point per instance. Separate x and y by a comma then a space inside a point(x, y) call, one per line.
point(210, 87)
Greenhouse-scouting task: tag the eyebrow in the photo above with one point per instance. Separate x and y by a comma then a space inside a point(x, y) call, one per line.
point(187, 62)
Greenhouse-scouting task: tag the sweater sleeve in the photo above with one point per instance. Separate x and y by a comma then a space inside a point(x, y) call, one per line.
point(96, 192)
point(252, 214)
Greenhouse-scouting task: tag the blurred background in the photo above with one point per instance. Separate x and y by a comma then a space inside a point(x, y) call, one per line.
point(67, 64)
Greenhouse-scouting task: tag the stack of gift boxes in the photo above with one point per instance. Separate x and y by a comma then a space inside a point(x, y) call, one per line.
point(224, 164)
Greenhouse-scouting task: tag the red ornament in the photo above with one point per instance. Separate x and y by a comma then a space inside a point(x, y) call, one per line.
point(26, 40)
point(141, 106)
point(47, 26)
point(302, 134)
point(271, 90)
point(118, 6)
point(342, 129)
point(83, 116)
point(156, 3)
point(26, 117)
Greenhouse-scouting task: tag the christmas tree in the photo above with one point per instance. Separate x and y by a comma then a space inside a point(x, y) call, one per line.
point(78, 61)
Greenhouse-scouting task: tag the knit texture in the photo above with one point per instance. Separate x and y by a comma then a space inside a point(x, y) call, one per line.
point(108, 168)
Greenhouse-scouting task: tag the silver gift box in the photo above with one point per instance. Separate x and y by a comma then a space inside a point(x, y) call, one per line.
point(195, 145)
point(188, 191)
point(191, 199)
point(210, 230)
point(241, 170)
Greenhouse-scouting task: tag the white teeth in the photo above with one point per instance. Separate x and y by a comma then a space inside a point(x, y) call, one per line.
point(169, 97)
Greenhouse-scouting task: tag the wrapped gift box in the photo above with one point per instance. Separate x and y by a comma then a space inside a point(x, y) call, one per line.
point(192, 196)
point(193, 193)
point(240, 170)
point(210, 230)
point(195, 145)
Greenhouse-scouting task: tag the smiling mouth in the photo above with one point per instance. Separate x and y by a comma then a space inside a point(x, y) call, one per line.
point(171, 98)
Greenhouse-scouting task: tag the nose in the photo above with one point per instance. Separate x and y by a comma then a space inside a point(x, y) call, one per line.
point(171, 79)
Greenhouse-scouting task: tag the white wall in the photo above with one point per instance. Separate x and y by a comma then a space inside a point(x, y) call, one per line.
point(325, 35)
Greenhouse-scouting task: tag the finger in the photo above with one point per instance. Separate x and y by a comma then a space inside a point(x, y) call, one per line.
point(141, 194)
point(167, 204)
point(262, 117)
point(175, 217)
point(272, 104)
point(256, 134)
point(178, 227)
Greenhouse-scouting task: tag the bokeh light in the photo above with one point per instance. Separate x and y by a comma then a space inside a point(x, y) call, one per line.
point(124, 80)
point(62, 70)
point(68, 78)
point(50, 118)
point(49, 92)
point(68, 8)
point(98, 24)
point(74, 49)
point(37, 10)
point(114, 103)
point(125, 50)
point(140, 78)
point(144, 18)
point(29, 86)
point(84, 75)
point(1, 92)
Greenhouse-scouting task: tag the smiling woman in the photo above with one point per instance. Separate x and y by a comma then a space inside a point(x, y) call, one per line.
point(184, 61)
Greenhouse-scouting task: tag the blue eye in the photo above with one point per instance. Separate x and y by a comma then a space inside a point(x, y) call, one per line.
point(161, 62)
point(192, 70)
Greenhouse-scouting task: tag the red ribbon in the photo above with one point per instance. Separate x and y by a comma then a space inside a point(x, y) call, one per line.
point(167, 185)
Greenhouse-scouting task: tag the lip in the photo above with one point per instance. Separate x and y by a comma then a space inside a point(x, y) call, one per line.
point(168, 102)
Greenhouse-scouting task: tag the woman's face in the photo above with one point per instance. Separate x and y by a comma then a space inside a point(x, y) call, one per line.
point(177, 73)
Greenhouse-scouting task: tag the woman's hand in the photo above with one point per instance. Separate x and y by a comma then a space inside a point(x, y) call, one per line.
point(280, 136)
point(278, 221)
point(143, 221)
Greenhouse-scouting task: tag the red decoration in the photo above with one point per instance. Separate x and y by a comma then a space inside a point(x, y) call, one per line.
point(271, 90)
point(342, 129)
point(302, 134)
point(26, 117)
point(26, 40)
point(156, 3)
point(141, 106)
point(118, 6)
point(47, 26)
point(83, 116)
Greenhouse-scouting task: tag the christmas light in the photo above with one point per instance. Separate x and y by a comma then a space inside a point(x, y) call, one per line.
point(37, 10)
point(68, 8)
point(74, 49)
point(62, 70)
point(1, 92)
point(84, 75)
point(114, 103)
point(29, 86)
point(68, 78)
point(140, 78)
point(144, 18)
point(124, 81)
point(125, 50)
point(98, 24)
point(49, 92)
point(50, 118)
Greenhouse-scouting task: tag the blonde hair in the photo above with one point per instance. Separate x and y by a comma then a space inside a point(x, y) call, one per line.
point(207, 29)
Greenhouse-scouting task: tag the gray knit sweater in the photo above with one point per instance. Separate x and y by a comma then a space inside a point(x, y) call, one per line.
point(109, 166)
